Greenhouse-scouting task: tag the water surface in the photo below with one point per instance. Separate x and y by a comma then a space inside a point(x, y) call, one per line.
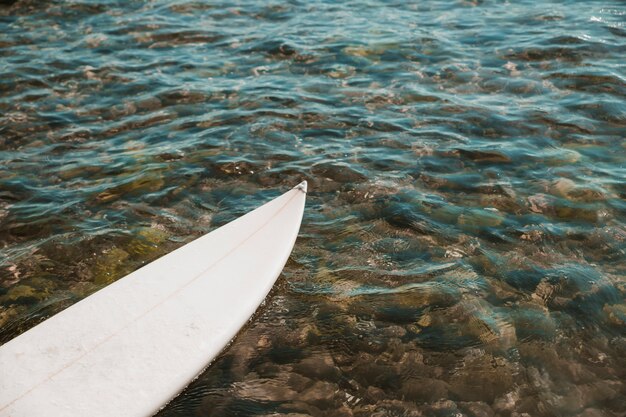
point(463, 248)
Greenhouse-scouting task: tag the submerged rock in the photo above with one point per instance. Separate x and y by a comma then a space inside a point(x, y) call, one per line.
point(476, 409)
point(480, 321)
point(321, 394)
point(578, 289)
point(266, 390)
point(533, 322)
point(483, 156)
point(423, 390)
point(341, 173)
point(616, 315)
point(387, 408)
point(577, 213)
point(474, 219)
point(482, 377)
point(318, 366)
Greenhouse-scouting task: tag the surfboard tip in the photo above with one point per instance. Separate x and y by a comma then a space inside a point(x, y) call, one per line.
point(302, 186)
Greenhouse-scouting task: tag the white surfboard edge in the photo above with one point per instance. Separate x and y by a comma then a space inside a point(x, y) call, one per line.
point(130, 348)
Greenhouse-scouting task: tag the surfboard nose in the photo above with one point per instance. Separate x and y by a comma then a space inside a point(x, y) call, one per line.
point(302, 186)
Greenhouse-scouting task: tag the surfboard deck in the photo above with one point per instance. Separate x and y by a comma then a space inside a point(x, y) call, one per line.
point(131, 347)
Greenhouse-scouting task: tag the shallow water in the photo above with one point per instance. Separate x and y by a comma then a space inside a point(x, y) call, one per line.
point(463, 250)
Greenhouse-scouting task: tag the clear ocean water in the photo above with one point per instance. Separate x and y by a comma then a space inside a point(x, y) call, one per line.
point(463, 251)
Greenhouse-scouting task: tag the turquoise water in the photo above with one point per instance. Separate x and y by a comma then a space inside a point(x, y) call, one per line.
point(463, 250)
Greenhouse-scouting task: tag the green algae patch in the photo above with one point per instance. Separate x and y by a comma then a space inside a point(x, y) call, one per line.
point(144, 183)
point(7, 315)
point(23, 294)
point(147, 241)
point(110, 266)
point(116, 262)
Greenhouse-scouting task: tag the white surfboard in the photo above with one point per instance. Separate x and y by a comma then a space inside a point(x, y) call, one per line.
point(129, 348)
